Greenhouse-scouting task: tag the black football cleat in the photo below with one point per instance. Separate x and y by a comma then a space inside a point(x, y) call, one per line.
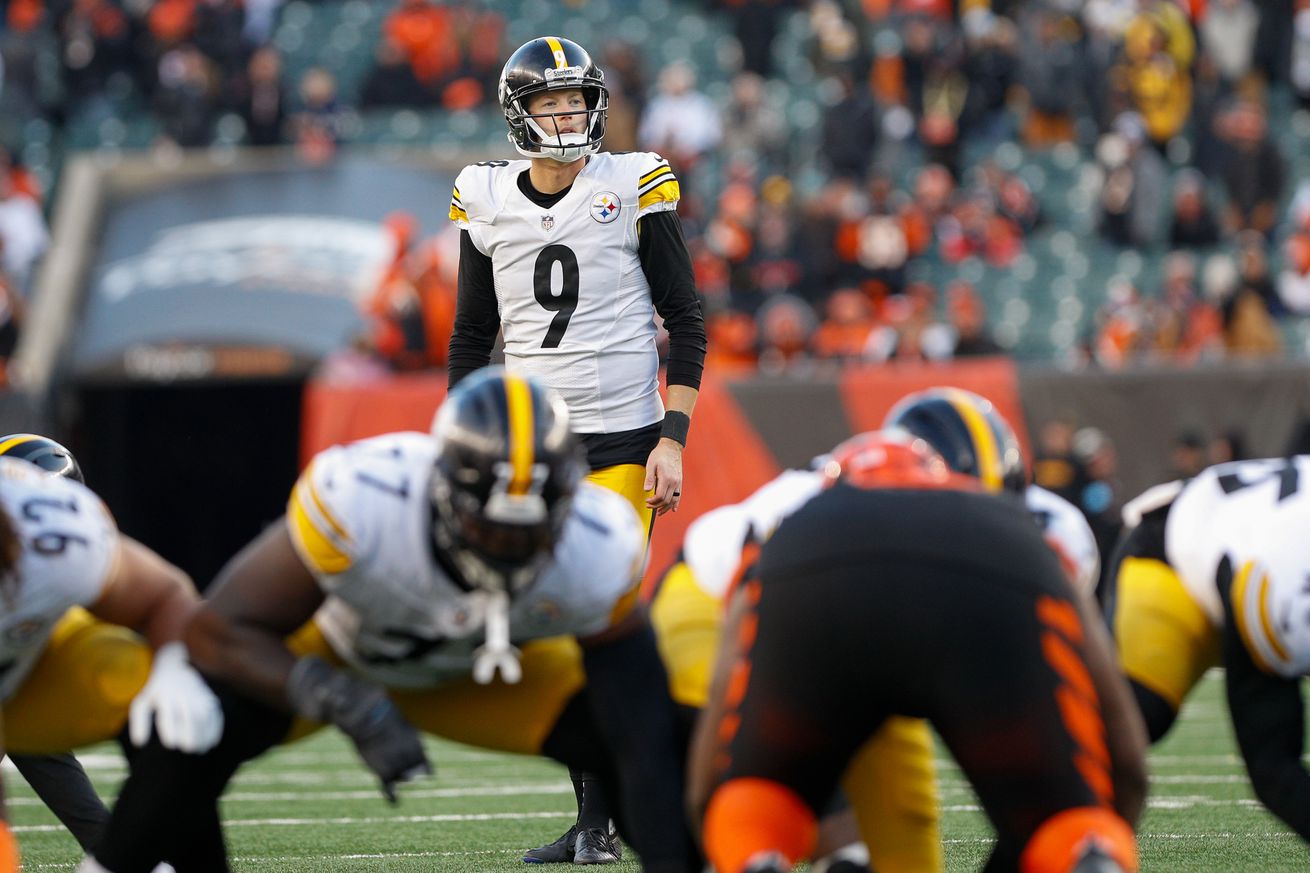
point(558, 852)
point(595, 846)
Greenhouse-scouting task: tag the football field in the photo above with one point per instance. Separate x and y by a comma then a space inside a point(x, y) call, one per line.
point(313, 807)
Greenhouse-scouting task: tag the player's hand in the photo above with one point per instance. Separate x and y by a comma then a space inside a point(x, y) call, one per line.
point(178, 704)
point(387, 742)
point(664, 476)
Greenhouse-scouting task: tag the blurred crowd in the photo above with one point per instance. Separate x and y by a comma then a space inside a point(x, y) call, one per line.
point(815, 188)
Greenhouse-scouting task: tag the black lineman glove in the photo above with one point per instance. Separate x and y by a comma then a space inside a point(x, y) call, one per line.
point(388, 744)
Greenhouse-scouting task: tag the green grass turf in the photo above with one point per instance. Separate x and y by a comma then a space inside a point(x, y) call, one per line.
point(313, 807)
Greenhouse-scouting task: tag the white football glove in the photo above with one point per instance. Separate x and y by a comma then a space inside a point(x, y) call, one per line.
point(178, 703)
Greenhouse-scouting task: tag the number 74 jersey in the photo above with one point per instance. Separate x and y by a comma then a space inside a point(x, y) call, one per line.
point(575, 307)
point(1257, 514)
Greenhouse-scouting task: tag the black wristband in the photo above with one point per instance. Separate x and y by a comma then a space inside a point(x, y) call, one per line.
point(675, 427)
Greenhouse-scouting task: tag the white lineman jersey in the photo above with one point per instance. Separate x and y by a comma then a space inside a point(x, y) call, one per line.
point(69, 544)
point(361, 521)
point(575, 307)
point(1067, 532)
point(1247, 511)
point(713, 543)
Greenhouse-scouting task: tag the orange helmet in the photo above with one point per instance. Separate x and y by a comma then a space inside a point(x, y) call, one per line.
point(891, 459)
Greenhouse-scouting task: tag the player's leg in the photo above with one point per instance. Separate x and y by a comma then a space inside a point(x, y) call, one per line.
point(891, 784)
point(168, 807)
point(1020, 712)
point(788, 711)
point(594, 814)
point(77, 693)
point(63, 786)
point(1164, 640)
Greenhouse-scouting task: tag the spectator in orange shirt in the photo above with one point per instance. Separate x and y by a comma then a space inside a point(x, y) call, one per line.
point(849, 319)
point(425, 33)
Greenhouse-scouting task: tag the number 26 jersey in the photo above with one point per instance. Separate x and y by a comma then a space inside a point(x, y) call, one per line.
point(575, 307)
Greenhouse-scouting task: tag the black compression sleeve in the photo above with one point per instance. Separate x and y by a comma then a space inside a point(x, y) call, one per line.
point(1269, 720)
point(667, 265)
point(477, 320)
point(629, 693)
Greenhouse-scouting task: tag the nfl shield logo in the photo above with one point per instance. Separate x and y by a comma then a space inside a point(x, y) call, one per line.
point(605, 207)
point(547, 222)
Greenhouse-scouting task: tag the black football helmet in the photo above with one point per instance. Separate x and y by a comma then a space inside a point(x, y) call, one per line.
point(549, 63)
point(42, 451)
point(967, 431)
point(506, 470)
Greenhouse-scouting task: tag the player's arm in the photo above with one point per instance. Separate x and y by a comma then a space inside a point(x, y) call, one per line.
point(258, 599)
point(629, 694)
point(666, 263)
point(477, 319)
point(146, 593)
point(1268, 716)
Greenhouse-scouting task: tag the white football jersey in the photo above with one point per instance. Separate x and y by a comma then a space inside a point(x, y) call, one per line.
point(713, 543)
point(1246, 510)
point(361, 521)
point(1271, 597)
point(575, 307)
point(1067, 532)
point(69, 547)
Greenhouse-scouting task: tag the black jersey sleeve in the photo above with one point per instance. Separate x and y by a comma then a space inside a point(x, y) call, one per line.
point(667, 265)
point(477, 320)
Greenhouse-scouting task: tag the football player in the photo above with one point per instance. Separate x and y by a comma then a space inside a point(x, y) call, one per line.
point(570, 254)
point(976, 440)
point(74, 588)
point(904, 589)
point(1212, 572)
point(464, 583)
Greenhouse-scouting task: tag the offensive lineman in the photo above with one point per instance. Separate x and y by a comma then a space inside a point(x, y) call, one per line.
point(68, 677)
point(842, 625)
point(570, 254)
point(1212, 571)
point(409, 571)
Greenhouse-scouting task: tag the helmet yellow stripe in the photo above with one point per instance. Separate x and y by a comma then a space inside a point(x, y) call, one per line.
point(984, 441)
point(558, 50)
point(518, 400)
point(1238, 595)
point(16, 441)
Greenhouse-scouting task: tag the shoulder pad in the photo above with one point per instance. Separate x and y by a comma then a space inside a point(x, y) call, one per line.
point(657, 186)
point(329, 512)
point(475, 189)
point(1151, 500)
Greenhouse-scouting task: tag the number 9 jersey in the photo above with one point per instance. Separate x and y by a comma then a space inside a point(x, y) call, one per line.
point(361, 520)
point(68, 546)
point(575, 306)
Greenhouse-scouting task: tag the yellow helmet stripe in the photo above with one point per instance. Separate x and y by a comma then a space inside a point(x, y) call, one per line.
point(558, 50)
point(984, 440)
point(1238, 595)
point(518, 400)
point(16, 441)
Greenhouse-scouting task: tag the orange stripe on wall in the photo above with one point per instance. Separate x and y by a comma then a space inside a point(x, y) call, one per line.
point(343, 412)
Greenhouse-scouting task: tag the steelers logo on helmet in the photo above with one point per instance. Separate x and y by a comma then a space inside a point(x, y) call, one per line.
point(42, 451)
point(551, 63)
point(506, 470)
point(967, 431)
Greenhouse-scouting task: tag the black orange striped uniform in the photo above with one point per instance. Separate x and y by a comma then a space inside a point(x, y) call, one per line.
point(891, 783)
point(935, 604)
